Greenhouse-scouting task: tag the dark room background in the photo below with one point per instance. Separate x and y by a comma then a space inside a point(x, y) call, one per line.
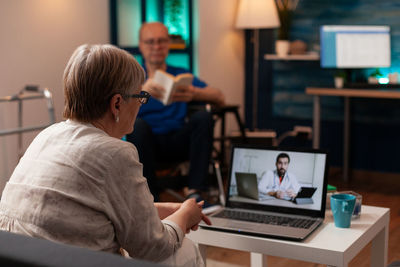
point(282, 102)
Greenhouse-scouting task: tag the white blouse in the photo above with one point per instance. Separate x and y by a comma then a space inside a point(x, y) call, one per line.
point(79, 186)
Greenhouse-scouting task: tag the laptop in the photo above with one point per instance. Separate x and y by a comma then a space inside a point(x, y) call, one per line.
point(304, 196)
point(271, 216)
point(247, 185)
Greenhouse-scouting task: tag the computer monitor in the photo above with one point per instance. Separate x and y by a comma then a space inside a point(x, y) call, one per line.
point(351, 47)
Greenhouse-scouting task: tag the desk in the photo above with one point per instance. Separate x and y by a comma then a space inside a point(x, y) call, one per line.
point(347, 94)
point(326, 245)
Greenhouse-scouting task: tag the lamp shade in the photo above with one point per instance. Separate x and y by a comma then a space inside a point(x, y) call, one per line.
point(257, 14)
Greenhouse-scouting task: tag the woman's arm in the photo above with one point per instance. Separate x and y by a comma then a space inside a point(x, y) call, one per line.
point(166, 208)
point(189, 215)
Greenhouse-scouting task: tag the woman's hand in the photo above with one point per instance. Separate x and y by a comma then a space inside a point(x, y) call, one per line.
point(204, 218)
point(195, 214)
point(189, 215)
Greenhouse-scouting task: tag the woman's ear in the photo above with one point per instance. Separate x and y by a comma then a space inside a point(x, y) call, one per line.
point(115, 105)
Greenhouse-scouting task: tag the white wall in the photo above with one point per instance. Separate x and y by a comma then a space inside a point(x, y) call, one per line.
point(37, 38)
point(221, 51)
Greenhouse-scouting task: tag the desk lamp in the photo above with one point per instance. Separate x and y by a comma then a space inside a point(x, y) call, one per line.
point(255, 15)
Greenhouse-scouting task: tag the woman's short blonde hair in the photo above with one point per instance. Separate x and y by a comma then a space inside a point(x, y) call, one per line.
point(93, 75)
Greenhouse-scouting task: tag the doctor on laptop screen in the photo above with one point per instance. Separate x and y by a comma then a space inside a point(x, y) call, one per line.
point(280, 183)
point(277, 178)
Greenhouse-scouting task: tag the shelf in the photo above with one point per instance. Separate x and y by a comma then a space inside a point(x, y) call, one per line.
point(308, 56)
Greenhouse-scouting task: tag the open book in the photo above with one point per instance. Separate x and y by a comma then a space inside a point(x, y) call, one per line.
point(170, 82)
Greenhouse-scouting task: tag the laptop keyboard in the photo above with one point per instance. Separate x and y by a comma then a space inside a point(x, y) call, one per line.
point(264, 218)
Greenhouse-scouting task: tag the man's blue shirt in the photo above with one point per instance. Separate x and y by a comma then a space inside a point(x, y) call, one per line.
point(164, 119)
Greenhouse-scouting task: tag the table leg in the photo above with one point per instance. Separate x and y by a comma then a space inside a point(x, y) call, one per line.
point(316, 121)
point(222, 143)
point(379, 248)
point(346, 139)
point(203, 252)
point(258, 260)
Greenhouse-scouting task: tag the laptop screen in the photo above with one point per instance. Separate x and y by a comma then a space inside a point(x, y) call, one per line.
point(290, 180)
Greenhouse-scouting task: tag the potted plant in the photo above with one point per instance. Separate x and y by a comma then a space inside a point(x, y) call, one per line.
point(173, 12)
point(340, 78)
point(285, 11)
point(374, 76)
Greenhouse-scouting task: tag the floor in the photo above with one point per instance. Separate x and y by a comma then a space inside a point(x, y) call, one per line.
point(377, 189)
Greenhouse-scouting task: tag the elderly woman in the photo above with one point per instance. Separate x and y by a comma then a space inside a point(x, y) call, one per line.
point(79, 183)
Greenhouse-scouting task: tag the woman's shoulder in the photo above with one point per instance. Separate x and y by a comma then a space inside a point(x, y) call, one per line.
point(85, 138)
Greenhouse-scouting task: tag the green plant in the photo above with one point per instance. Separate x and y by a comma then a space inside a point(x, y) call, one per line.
point(285, 11)
point(173, 8)
point(341, 74)
point(376, 73)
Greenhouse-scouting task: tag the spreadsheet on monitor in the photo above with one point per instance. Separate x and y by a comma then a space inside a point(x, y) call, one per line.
point(344, 46)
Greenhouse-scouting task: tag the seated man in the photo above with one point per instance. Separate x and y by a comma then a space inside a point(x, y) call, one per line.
point(280, 183)
point(161, 131)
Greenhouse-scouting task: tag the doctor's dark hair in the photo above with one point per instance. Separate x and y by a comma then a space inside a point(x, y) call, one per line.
point(93, 75)
point(283, 155)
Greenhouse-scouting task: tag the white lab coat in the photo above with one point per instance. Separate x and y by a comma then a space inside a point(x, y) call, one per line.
point(270, 183)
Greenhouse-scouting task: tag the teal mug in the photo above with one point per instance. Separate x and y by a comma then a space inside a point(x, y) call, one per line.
point(342, 206)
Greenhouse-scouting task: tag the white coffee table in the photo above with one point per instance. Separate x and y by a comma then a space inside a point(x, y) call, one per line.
point(327, 245)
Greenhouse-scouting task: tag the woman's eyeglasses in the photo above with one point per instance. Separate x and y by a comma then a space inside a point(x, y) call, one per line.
point(143, 97)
